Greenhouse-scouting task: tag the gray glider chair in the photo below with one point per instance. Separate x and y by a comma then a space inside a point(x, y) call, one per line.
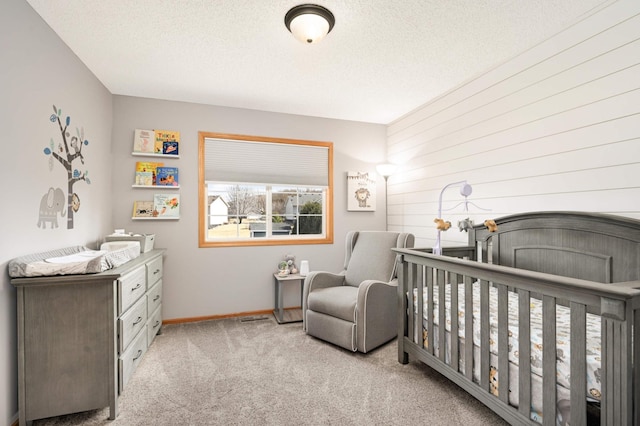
point(357, 308)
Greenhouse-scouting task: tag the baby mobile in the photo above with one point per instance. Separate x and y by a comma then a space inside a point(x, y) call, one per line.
point(66, 152)
point(463, 225)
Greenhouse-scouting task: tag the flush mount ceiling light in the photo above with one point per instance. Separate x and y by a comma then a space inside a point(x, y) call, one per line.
point(309, 23)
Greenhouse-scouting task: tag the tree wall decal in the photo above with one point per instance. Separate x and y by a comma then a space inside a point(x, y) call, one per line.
point(67, 151)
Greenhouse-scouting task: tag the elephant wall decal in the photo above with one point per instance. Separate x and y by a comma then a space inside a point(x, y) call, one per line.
point(52, 203)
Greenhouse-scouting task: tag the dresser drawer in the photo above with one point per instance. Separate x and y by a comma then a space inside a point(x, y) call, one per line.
point(154, 324)
point(154, 271)
point(130, 324)
point(154, 297)
point(128, 362)
point(130, 287)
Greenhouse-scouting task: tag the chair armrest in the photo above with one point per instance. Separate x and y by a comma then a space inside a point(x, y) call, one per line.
point(376, 311)
point(314, 281)
point(374, 289)
point(322, 279)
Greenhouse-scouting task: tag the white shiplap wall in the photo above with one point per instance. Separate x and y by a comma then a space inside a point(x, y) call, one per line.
point(555, 128)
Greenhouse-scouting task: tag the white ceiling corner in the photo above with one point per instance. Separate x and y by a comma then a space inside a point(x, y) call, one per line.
point(383, 58)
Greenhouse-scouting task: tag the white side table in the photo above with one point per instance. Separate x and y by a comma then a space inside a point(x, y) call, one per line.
point(287, 315)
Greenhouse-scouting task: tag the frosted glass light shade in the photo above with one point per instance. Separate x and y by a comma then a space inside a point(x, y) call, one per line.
point(309, 28)
point(309, 23)
point(386, 170)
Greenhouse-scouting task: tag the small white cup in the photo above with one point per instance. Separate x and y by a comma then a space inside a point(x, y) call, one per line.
point(304, 268)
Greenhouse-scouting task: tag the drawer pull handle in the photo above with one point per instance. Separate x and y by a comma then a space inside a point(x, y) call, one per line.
point(156, 324)
point(137, 321)
point(137, 287)
point(156, 271)
point(138, 355)
point(156, 298)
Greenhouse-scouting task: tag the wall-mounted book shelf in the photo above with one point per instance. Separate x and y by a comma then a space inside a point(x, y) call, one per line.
point(151, 154)
point(155, 186)
point(154, 174)
point(162, 207)
point(155, 218)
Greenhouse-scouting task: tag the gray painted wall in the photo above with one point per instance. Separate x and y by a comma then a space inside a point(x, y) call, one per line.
point(38, 70)
point(217, 281)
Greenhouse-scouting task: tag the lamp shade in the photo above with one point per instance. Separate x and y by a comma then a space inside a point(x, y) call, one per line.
point(386, 170)
point(309, 23)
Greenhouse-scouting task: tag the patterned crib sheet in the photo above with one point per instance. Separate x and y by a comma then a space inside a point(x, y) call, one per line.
point(563, 349)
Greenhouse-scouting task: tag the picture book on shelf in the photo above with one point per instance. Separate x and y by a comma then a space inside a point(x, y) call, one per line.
point(167, 176)
point(166, 205)
point(144, 178)
point(148, 166)
point(144, 141)
point(170, 148)
point(143, 209)
point(166, 142)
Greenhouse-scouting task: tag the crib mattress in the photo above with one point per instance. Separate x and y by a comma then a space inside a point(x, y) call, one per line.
point(593, 337)
point(70, 260)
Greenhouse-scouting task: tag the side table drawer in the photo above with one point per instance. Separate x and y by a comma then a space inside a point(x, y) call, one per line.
point(154, 297)
point(154, 271)
point(130, 287)
point(153, 325)
point(130, 324)
point(128, 362)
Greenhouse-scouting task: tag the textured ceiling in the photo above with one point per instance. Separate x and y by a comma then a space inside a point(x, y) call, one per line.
point(383, 58)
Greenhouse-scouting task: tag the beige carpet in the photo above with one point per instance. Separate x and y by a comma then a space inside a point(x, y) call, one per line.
point(252, 371)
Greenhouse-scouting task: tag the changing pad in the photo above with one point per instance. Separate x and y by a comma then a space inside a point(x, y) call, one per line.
point(71, 260)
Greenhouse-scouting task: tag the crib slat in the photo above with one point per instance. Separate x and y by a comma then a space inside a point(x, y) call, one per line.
point(578, 363)
point(416, 321)
point(453, 337)
point(411, 280)
point(442, 293)
point(405, 312)
point(635, 345)
point(524, 351)
point(484, 335)
point(503, 343)
point(468, 328)
point(607, 402)
point(429, 278)
point(616, 388)
point(549, 404)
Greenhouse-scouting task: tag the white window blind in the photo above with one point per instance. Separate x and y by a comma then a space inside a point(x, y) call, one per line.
point(228, 160)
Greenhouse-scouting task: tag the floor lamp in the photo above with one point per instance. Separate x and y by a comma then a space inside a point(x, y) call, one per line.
point(386, 170)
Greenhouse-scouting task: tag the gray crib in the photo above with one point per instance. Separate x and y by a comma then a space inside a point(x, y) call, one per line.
point(519, 290)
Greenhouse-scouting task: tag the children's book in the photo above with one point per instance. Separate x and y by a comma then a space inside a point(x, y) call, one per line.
point(166, 205)
point(144, 141)
point(167, 176)
point(144, 178)
point(148, 166)
point(143, 209)
point(170, 148)
point(169, 137)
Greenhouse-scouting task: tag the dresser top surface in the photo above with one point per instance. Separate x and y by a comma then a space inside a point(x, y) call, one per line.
point(108, 275)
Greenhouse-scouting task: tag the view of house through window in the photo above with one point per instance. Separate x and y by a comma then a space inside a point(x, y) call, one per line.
point(256, 211)
point(249, 196)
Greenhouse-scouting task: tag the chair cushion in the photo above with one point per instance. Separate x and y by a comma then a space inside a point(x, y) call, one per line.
point(337, 302)
point(372, 258)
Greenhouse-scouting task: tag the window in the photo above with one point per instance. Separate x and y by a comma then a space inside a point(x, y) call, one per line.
point(264, 191)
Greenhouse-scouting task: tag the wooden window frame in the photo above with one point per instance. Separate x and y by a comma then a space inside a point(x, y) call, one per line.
point(202, 198)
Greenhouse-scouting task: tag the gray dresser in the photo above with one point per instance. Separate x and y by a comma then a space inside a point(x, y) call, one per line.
point(81, 337)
